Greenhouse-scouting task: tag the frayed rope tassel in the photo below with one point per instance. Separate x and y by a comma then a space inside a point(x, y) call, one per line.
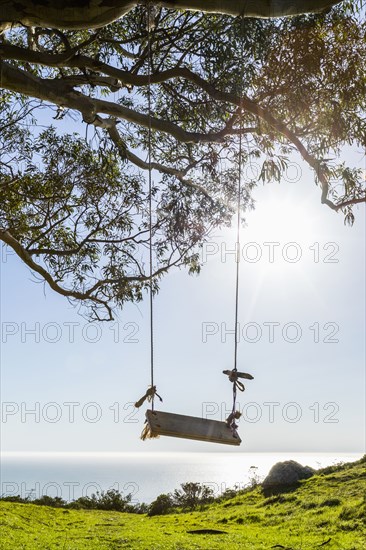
point(147, 433)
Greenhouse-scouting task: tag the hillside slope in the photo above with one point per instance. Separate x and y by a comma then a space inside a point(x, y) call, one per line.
point(327, 511)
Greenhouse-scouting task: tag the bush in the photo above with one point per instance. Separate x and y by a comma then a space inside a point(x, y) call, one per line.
point(162, 505)
point(309, 505)
point(340, 466)
point(15, 498)
point(347, 513)
point(193, 494)
point(227, 495)
point(142, 508)
point(331, 502)
point(108, 500)
point(45, 500)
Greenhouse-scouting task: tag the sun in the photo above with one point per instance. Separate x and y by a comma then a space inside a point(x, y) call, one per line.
point(285, 214)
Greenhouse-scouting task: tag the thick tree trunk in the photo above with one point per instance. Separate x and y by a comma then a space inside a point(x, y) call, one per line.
point(79, 14)
point(69, 14)
point(252, 8)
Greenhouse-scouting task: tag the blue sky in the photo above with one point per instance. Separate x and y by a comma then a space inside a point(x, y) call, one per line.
point(302, 325)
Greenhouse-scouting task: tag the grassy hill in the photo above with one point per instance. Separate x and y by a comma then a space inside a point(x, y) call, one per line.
point(326, 511)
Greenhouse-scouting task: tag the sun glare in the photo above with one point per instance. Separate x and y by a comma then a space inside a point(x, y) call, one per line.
point(283, 218)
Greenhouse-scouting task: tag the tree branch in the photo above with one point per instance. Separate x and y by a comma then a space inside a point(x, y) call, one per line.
point(22, 253)
point(64, 95)
point(349, 202)
point(81, 14)
point(128, 78)
point(127, 154)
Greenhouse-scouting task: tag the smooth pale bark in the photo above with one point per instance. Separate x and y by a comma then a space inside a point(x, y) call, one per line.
point(62, 94)
point(82, 14)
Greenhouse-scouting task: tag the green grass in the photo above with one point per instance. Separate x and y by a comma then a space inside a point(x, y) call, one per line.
point(327, 506)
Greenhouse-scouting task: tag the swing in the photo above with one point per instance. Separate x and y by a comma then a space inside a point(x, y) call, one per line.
point(159, 423)
point(189, 427)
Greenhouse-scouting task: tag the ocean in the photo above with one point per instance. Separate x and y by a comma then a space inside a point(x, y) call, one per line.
point(143, 475)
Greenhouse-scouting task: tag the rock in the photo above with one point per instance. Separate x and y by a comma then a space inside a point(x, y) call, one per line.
point(286, 474)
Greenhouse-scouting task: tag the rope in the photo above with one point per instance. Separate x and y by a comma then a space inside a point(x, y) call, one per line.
point(149, 395)
point(151, 391)
point(236, 330)
point(236, 333)
point(150, 209)
point(236, 384)
point(237, 255)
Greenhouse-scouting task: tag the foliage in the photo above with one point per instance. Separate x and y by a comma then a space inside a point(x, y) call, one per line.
point(75, 205)
point(228, 494)
point(254, 478)
point(163, 504)
point(55, 502)
point(191, 495)
point(106, 500)
point(338, 466)
point(296, 521)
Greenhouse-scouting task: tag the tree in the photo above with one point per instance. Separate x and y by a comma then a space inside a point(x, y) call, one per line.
point(204, 93)
point(192, 495)
point(111, 499)
point(163, 504)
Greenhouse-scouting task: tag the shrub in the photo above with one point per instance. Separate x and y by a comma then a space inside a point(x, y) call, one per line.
point(45, 500)
point(142, 508)
point(331, 502)
point(106, 500)
point(16, 498)
point(351, 512)
point(193, 494)
point(114, 500)
point(253, 518)
point(227, 495)
point(309, 505)
point(254, 478)
point(162, 505)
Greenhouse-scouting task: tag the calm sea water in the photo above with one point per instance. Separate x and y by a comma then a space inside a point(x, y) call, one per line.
point(144, 475)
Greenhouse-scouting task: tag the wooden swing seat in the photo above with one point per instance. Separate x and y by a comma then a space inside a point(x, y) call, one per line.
point(190, 427)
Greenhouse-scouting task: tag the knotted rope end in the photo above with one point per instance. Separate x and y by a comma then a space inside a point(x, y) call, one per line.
point(149, 396)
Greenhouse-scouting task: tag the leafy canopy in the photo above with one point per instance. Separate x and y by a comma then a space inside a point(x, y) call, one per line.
point(74, 195)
